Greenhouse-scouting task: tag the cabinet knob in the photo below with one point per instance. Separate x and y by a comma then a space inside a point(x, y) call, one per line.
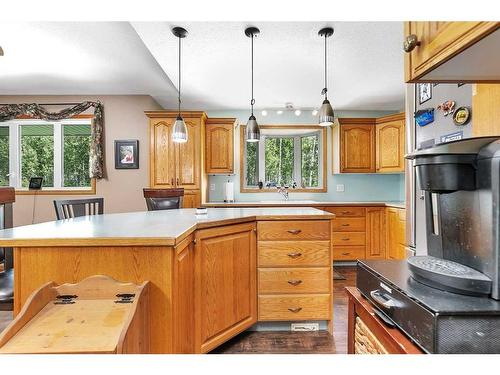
point(410, 42)
point(294, 309)
point(294, 231)
point(177, 181)
point(294, 255)
point(294, 282)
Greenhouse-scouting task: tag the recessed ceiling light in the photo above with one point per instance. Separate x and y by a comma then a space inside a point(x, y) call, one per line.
point(264, 113)
point(298, 112)
point(280, 112)
point(314, 112)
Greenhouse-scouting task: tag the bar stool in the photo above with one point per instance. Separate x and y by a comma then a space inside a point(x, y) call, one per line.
point(163, 199)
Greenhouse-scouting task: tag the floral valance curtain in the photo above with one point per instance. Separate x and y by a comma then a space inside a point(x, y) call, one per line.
point(11, 111)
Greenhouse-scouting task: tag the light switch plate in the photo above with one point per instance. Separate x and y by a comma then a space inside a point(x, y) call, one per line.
point(212, 187)
point(340, 187)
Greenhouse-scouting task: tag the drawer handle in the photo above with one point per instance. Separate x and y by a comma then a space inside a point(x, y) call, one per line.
point(294, 309)
point(345, 225)
point(345, 239)
point(294, 282)
point(294, 255)
point(346, 253)
point(346, 212)
point(294, 231)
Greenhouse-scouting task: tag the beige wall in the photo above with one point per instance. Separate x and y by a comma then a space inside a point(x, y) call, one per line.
point(122, 189)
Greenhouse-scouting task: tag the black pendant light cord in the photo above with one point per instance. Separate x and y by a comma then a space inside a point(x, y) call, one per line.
point(324, 92)
point(252, 102)
point(179, 97)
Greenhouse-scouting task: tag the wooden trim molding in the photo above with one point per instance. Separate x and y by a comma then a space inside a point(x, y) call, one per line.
point(50, 191)
point(323, 189)
point(173, 114)
point(389, 118)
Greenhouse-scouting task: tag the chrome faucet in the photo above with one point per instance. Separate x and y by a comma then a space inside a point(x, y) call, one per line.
point(283, 190)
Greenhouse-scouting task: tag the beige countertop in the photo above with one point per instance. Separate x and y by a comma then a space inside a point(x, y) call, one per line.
point(305, 203)
point(155, 228)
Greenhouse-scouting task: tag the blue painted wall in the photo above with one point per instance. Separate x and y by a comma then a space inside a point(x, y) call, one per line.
point(358, 187)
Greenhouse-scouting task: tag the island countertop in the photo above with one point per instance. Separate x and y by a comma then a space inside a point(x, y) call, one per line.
point(154, 228)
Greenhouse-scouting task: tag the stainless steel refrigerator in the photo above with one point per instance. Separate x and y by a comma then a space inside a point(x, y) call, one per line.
point(418, 137)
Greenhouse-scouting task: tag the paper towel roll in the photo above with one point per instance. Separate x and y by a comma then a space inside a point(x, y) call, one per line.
point(229, 192)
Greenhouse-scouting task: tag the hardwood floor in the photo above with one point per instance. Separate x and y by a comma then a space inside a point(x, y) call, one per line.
point(286, 342)
point(300, 342)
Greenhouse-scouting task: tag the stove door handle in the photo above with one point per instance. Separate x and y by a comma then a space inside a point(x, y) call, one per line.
point(384, 301)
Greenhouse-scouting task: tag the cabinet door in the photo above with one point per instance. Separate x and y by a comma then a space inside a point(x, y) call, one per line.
point(162, 155)
point(357, 149)
point(439, 41)
point(225, 283)
point(191, 199)
point(396, 232)
point(219, 148)
point(375, 233)
point(390, 141)
point(188, 157)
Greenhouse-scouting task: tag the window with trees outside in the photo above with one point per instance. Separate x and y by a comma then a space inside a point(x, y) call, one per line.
point(290, 156)
point(58, 151)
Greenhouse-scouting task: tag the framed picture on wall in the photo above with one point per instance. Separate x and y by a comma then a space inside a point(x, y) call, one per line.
point(424, 92)
point(127, 154)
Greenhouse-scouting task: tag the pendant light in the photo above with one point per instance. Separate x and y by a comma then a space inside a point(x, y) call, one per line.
point(179, 133)
point(326, 115)
point(252, 129)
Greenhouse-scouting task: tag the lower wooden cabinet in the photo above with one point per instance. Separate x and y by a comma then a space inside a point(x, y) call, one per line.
point(375, 233)
point(295, 307)
point(225, 298)
point(191, 199)
point(396, 224)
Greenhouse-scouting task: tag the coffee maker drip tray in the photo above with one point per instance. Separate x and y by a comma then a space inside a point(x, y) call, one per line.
point(448, 275)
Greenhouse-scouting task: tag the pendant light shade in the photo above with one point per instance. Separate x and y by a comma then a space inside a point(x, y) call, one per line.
point(252, 132)
point(326, 114)
point(180, 132)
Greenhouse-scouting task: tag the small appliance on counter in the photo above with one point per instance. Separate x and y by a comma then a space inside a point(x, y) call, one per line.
point(449, 300)
point(229, 192)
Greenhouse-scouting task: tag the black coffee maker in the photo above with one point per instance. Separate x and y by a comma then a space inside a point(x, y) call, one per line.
point(461, 180)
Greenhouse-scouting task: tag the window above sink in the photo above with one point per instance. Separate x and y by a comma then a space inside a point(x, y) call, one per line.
point(286, 155)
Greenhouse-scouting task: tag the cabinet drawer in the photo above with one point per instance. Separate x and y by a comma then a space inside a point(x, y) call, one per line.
point(293, 230)
point(346, 211)
point(294, 280)
point(303, 307)
point(349, 224)
point(293, 253)
point(348, 252)
point(348, 238)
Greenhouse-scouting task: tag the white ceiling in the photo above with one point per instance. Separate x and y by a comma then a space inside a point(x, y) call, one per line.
point(365, 63)
point(59, 58)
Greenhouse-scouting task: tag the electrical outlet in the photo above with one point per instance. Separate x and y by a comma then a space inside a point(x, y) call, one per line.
point(304, 327)
point(340, 187)
point(212, 187)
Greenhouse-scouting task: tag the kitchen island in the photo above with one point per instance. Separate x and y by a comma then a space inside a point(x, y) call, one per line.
point(212, 276)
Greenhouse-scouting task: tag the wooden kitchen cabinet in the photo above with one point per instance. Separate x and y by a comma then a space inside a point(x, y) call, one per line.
point(177, 165)
point(396, 232)
point(219, 145)
point(375, 233)
point(485, 100)
point(357, 145)
point(439, 41)
point(225, 302)
point(390, 143)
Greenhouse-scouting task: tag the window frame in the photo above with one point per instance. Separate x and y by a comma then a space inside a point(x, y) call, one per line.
point(297, 158)
point(15, 156)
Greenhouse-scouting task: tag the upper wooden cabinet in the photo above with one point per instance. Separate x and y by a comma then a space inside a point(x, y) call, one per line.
point(390, 143)
point(485, 100)
point(219, 145)
point(430, 44)
point(357, 145)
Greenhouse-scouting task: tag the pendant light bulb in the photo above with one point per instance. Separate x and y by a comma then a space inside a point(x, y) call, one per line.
point(252, 131)
point(326, 115)
point(179, 131)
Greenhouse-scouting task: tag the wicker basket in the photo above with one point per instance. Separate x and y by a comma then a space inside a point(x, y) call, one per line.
point(365, 341)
